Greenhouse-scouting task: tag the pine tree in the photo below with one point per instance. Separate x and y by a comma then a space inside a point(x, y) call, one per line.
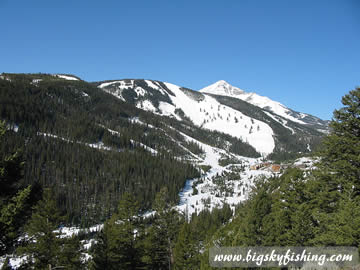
point(161, 237)
point(11, 168)
point(15, 203)
point(341, 153)
point(44, 248)
point(342, 227)
point(186, 250)
point(101, 259)
point(11, 219)
point(119, 245)
point(253, 215)
point(321, 207)
point(339, 180)
point(70, 254)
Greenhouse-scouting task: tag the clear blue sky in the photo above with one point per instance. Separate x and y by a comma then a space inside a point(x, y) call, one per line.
point(304, 54)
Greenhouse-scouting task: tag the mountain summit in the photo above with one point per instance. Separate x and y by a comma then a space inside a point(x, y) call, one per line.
point(222, 88)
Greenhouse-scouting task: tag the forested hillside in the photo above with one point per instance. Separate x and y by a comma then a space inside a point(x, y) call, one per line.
point(91, 147)
point(83, 144)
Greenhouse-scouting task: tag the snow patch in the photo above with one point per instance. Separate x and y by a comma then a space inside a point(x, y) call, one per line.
point(154, 86)
point(99, 145)
point(280, 120)
point(146, 105)
point(120, 84)
point(84, 94)
point(66, 232)
point(69, 78)
point(13, 127)
point(140, 91)
point(147, 148)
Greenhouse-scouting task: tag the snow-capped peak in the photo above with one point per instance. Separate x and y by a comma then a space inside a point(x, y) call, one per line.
point(222, 88)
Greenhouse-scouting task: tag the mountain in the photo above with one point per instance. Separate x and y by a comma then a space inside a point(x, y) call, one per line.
point(266, 125)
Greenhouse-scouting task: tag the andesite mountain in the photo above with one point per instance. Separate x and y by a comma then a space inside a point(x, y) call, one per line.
point(266, 125)
point(92, 141)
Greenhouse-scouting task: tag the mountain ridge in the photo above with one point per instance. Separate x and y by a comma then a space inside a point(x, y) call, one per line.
point(223, 88)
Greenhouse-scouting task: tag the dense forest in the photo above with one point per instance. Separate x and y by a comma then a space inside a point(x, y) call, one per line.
point(65, 146)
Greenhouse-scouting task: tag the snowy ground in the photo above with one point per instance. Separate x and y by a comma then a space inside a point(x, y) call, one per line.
point(230, 184)
point(212, 192)
point(15, 261)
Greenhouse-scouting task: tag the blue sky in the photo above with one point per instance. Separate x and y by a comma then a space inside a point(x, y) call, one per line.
point(304, 54)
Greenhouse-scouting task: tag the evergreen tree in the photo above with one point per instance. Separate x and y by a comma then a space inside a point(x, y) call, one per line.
point(186, 250)
point(320, 207)
point(252, 215)
point(11, 168)
point(11, 219)
point(341, 153)
point(70, 256)
point(341, 228)
point(119, 243)
point(15, 203)
point(339, 180)
point(43, 247)
point(100, 254)
point(161, 237)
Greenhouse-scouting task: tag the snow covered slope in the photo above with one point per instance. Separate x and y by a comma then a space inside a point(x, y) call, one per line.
point(223, 88)
point(202, 109)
